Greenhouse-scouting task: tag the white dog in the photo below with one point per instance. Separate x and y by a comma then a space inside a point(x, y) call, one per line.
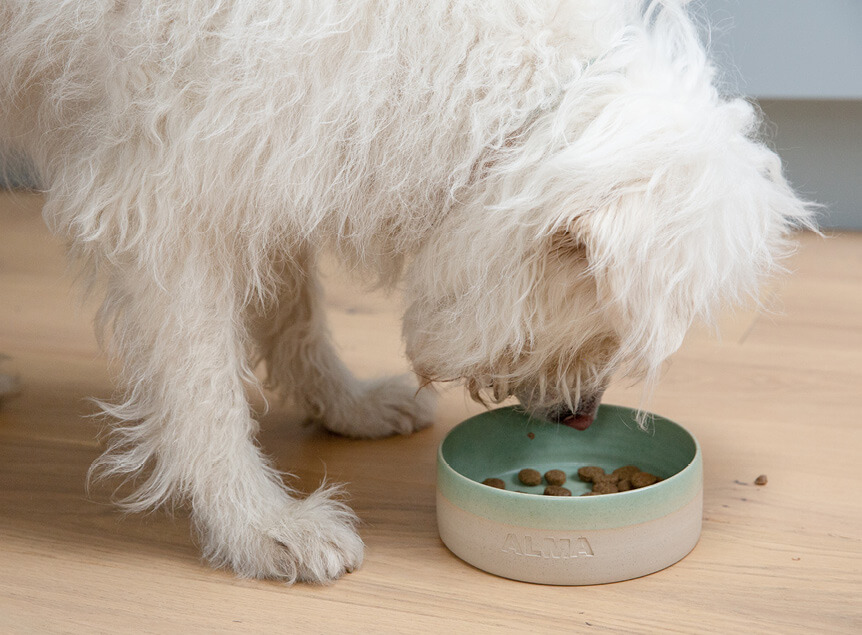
point(557, 182)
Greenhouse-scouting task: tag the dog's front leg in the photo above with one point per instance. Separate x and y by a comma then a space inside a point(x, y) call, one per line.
point(303, 364)
point(187, 422)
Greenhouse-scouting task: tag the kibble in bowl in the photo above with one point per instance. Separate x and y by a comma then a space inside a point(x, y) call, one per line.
point(556, 490)
point(625, 472)
point(605, 487)
point(590, 473)
point(530, 477)
point(620, 480)
point(555, 477)
point(574, 539)
point(643, 479)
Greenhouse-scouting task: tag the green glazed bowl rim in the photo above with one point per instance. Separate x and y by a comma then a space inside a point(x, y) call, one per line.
point(622, 509)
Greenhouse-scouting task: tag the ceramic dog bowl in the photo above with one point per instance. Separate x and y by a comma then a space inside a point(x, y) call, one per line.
point(568, 540)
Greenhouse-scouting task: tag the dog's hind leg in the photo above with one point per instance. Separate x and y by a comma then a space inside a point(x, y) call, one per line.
point(304, 365)
point(187, 424)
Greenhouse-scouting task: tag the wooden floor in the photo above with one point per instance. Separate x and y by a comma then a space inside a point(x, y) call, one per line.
point(778, 394)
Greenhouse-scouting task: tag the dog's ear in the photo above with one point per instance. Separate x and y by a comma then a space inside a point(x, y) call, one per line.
point(678, 205)
point(691, 222)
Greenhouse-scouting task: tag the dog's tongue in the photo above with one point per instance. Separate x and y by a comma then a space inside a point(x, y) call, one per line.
point(578, 422)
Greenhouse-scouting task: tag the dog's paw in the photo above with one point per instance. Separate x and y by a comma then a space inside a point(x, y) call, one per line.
point(392, 405)
point(310, 540)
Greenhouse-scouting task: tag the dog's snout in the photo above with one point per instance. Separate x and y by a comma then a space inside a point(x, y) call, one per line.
point(578, 421)
point(560, 414)
point(583, 416)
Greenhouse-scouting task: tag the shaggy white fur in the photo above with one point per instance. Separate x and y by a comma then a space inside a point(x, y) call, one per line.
point(558, 182)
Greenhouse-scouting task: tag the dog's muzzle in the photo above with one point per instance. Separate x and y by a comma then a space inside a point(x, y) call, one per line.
point(583, 416)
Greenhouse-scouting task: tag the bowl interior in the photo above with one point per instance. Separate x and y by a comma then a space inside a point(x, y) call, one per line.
point(502, 442)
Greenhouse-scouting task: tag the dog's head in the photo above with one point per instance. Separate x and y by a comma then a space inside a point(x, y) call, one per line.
point(642, 202)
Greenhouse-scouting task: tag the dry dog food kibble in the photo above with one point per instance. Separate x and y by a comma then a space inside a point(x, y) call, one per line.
point(622, 479)
point(643, 479)
point(626, 471)
point(530, 477)
point(555, 477)
point(605, 487)
point(494, 482)
point(590, 473)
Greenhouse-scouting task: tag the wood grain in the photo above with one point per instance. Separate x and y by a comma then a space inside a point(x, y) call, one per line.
point(778, 394)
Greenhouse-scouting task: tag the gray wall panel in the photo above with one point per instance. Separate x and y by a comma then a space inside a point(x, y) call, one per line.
point(789, 49)
point(802, 60)
point(820, 143)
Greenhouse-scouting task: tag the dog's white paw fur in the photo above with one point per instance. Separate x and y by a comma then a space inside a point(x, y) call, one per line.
point(381, 408)
point(309, 540)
